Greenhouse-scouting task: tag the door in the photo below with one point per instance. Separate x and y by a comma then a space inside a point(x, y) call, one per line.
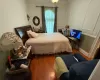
point(95, 46)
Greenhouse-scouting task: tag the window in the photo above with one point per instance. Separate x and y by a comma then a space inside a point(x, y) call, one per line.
point(49, 20)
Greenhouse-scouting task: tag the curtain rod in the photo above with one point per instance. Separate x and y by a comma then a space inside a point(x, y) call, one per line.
point(47, 6)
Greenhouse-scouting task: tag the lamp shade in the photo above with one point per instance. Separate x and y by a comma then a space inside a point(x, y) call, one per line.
point(10, 40)
point(55, 1)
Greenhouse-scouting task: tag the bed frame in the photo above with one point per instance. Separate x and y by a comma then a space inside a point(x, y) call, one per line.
point(22, 32)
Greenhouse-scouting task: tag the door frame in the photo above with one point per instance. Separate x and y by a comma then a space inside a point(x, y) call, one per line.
point(95, 45)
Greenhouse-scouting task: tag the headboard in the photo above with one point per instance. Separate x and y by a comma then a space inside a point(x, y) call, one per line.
point(22, 32)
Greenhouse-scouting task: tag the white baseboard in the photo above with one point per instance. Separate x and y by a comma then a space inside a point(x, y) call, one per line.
point(84, 52)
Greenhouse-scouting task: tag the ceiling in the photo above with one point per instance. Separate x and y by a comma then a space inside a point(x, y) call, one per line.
point(45, 1)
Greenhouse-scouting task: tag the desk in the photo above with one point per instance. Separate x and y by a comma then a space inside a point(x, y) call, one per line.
point(74, 42)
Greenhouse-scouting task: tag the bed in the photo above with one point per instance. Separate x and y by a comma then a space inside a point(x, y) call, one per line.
point(45, 43)
point(49, 43)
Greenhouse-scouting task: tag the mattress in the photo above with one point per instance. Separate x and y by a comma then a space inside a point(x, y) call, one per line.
point(49, 43)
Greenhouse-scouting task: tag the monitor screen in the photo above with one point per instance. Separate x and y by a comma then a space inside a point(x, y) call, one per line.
point(75, 33)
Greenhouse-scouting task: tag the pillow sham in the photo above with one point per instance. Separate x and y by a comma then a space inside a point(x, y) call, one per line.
point(28, 33)
point(32, 34)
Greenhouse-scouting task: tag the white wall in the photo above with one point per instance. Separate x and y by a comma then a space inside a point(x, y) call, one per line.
point(36, 11)
point(12, 14)
point(85, 15)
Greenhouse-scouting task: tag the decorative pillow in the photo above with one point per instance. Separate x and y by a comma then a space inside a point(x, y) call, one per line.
point(32, 34)
point(21, 53)
point(28, 33)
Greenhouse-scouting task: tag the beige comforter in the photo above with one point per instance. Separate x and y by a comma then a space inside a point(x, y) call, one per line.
point(47, 43)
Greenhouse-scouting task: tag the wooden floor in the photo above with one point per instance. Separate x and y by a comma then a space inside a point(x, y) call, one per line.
point(42, 67)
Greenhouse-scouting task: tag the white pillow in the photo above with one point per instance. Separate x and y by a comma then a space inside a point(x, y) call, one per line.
point(28, 33)
point(32, 34)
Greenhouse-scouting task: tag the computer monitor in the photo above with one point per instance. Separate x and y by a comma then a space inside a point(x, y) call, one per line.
point(75, 33)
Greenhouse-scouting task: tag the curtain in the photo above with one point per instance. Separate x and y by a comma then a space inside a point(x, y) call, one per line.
point(43, 19)
point(55, 23)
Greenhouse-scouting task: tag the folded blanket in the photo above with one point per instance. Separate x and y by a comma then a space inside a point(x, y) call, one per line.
point(60, 67)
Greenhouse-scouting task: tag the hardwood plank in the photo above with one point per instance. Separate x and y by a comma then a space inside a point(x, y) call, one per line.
point(43, 68)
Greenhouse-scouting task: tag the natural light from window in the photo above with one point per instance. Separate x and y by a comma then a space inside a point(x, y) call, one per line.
point(49, 18)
